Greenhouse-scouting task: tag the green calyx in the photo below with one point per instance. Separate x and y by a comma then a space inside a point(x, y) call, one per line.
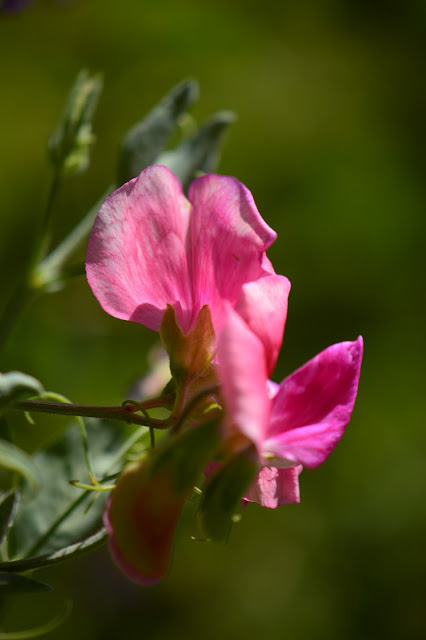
point(190, 353)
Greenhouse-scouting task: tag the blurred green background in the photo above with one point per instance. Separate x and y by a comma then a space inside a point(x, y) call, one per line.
point(331, 140)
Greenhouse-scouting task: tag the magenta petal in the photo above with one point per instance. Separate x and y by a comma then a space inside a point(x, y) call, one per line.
point(274, 487)
point(313, 406)
point(242, 371)
point(263, 305)
point(136, 256)
point(228, 240)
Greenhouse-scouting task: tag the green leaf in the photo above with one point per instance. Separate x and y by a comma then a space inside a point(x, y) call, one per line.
point(14, 459)
point(143, 143)
point(57, 517)
point(13, 583)
point(222, 496)
point(35, 632)
point(92, 542)
point(8, 508)
point(69, 146)
point(200, 152)
point(15, 386)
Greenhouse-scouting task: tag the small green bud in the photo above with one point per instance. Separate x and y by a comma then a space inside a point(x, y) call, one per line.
point(69, 146)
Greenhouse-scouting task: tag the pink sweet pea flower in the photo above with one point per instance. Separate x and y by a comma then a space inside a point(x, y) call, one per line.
point(295, 425)
point(150, 246)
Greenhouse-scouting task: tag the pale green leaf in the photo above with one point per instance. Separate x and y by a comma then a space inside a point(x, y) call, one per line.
point(15, 386)
point(15, 459)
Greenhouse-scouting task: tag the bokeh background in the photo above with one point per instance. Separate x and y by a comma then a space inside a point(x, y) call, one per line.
point(330, 139)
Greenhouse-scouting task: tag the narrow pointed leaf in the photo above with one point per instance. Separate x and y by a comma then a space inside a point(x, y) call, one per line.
point(201, 151)
point(91, 543)
point(146, 140)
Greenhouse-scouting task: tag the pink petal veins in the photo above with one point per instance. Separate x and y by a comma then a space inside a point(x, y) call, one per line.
point(137, 252)
point(228, 241)
point(274, 487)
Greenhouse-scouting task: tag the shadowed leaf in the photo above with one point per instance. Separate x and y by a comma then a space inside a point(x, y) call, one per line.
point(146, 140)
point(200, 152)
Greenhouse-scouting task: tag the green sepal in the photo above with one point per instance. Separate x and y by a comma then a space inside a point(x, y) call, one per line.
point(222, 496)
point(199, 152)
point(190, 353)
point(15, 386)
point(69, 146)
point(143, 143)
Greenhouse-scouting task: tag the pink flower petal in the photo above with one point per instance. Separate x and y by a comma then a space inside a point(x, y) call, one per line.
point(274, 487)
point(313, 406)
point(141, 517)
point(137, 253)
point(242, 371)
point(263, 305)
point(228, 240)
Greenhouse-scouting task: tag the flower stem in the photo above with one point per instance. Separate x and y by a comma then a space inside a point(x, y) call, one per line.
point(126, 413)
point(24, 292)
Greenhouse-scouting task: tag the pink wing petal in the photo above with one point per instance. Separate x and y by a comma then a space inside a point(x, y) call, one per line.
point(228, 239)
point(275, 487)
point(263, 305)
point(136, 257)
point(313, 406)
point(242, 371)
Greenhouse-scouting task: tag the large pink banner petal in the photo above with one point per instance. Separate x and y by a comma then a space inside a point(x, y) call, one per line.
point(228, 241)
point(137, 252)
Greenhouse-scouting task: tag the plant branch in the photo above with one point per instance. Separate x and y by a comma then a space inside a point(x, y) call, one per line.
point(126, 413)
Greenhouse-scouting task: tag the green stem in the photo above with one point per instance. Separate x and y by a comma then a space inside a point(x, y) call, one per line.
point(205, 393)
point(24, 293)
point(20, 300)
point(52, 265)
point(126, 414)
point(42, 239)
